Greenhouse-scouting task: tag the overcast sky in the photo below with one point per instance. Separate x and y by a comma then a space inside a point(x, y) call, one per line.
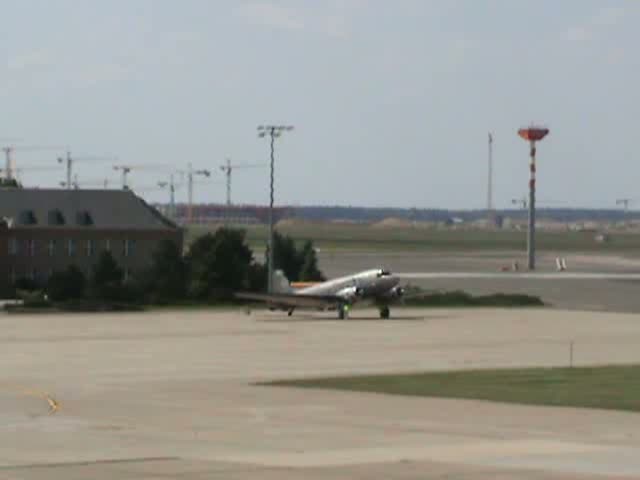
point(391, 100)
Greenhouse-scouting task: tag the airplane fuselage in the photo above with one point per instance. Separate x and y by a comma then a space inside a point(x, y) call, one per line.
point(371, 283)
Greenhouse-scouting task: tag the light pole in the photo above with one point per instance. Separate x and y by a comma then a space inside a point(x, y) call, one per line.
point(190, 173)
point(273, 131)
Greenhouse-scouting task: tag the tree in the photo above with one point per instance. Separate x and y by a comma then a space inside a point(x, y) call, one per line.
point(219, 264)
point(106, 282)
point(297, 265)
point(309, 271)
point(69, 284)
point(285, 256)
point(166, 280)
point(9, 183)
point(257, 277)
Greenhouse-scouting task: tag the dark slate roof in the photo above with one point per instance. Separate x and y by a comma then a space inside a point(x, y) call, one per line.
point(112, 209)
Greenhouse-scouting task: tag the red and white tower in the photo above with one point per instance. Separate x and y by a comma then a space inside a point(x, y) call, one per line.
point(532, 135)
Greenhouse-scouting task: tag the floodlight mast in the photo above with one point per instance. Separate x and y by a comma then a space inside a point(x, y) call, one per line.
point(532, 135)
point(190, 173)
point(273, 131)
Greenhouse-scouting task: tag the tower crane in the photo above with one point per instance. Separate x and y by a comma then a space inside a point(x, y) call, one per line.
point(126, 169)
point(9, 150)
point(17, 172)
point(522, 202)
point(190, 173)
point(70, 160)
point(625, 202)
point(172, 194)
point(76, 184)
point(228, 168)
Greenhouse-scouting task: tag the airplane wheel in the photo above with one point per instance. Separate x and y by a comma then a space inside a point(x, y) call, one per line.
point(342, 312)
point(385, 313)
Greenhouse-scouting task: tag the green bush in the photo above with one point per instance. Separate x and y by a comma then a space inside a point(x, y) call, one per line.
point(459, 298)
point(219, 264)
point(68, 284)
point(107, 280)
point(96, 305)
point(297, 264)
point(166, 280)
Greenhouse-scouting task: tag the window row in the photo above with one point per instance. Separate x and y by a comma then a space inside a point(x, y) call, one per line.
point(70, 247)
point(38, 275)
point(55, 217)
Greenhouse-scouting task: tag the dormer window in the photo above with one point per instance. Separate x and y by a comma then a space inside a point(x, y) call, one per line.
point(84, 218)
point(27, 217)
point(56, 217)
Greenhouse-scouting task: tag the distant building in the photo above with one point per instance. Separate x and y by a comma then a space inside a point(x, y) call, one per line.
point(43, 231)
point(234, 214)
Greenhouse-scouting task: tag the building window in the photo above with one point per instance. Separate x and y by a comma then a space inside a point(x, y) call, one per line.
point(71, 247)
point(84, 218)
point(128, 247)
point(33, 274)
point(27, 217)
point(89, 248)
point(14, 246)
point(31, 247)
point(51, 248)
point(56, 217)
point(12, 275)
point(107, 245)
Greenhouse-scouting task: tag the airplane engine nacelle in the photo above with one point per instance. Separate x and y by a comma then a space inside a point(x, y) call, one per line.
point(350, 293)
point(397, 292)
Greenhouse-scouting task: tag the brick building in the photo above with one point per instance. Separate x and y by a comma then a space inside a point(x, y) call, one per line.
point(46, 230)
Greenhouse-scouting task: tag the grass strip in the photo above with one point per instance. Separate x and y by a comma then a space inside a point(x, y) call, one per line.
point(604, 387)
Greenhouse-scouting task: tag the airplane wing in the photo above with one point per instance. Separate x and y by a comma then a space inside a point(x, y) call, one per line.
point(293, 300)
point(523, 275)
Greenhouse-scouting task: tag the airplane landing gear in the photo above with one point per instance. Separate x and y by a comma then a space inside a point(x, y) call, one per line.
point(290, 312)
point(343, 311)
point(385, 312)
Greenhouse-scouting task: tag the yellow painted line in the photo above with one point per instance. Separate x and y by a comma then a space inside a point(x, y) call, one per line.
point(54, 406)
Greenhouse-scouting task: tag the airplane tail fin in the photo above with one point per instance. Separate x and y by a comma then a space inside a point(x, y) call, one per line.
point(281, 283)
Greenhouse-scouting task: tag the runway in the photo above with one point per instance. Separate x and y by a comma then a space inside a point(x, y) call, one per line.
point(170, 395)
point(517, 276)
point(594, 282)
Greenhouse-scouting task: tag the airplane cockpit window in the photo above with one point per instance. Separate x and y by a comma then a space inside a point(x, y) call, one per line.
point(383, 273)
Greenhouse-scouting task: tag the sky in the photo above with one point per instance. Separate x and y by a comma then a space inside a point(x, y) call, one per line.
point(392, 102)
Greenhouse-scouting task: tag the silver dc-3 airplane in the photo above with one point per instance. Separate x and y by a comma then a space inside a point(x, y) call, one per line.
point(382, 288)
point(378, 286)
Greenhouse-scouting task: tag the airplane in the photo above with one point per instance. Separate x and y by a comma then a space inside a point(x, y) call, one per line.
point(382, 288)
point(378, 285)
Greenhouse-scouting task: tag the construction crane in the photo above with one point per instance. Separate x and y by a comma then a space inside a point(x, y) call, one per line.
point(76, 184)
point(190, 174)
point(172, 194)
point(69, 160)
point(126, 169)
point(228, 168)
point(522, 202)
point(625, 202)
point(10, 164)
point(17, 172)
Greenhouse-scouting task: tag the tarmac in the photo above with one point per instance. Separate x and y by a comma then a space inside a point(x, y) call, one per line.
point(613, 286)
point(172, 394)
